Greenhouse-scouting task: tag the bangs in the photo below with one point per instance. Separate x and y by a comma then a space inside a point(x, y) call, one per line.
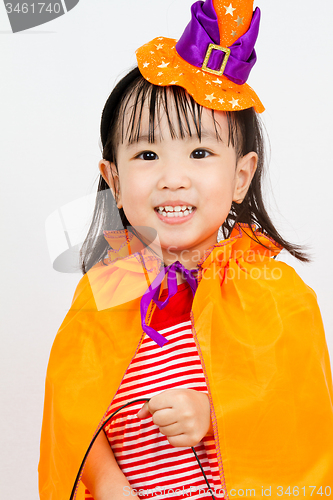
point(135, 108)
point(145, 104)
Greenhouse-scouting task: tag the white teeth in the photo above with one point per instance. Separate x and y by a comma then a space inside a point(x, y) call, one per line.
point(175, 213)
point(176, 209)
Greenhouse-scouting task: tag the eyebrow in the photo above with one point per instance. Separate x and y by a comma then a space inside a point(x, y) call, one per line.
point(205, 134)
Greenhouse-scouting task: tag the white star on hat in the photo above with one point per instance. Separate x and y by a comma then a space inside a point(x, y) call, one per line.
point(229, 10)
point(163, 65)
point(210, 97)
point(234, 102)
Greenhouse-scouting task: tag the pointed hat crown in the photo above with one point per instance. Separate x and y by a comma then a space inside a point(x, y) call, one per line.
point(213, 58)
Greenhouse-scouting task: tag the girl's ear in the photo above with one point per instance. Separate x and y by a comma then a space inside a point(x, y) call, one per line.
point(245, 170)
point(109, 173)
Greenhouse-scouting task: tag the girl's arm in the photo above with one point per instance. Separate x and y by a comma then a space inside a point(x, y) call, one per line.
point(102, 475)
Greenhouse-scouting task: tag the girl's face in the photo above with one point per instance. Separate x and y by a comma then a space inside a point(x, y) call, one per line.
point(180, 173)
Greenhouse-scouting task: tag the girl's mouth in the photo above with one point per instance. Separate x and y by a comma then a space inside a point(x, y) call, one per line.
point(175, 215)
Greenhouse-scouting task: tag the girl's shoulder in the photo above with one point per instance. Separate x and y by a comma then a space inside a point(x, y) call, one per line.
point(283, 282)
point(286, 277)
point(262, 258)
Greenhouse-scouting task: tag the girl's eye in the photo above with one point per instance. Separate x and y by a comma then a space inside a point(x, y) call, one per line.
point(200, 153)
point(147, 155)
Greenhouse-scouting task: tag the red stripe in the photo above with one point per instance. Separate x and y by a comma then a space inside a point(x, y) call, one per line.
point(145, 386)
point(174, 385)
point(173, 476)
point(158, 362)
point(147, 346)
point(194, 371)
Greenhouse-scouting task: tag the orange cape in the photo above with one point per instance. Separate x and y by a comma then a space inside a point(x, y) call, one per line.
point(261, 341)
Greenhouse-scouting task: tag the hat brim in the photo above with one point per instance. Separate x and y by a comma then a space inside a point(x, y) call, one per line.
point(160, 64)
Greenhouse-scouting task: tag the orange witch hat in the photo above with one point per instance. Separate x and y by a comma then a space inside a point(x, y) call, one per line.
point(212, 59)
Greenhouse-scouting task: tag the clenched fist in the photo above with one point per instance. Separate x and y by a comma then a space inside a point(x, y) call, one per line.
point(182, 415)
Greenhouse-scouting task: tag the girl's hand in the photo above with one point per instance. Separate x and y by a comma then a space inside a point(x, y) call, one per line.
point(183, 415)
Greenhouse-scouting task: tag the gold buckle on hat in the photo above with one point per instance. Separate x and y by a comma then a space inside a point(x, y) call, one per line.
point(211, 47)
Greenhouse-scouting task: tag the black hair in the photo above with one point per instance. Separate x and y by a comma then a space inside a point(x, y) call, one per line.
point(245, 135)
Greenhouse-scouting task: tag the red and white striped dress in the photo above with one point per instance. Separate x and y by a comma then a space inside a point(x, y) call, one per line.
point(153, 467)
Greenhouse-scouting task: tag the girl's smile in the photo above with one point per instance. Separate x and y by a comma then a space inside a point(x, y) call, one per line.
point(182, 187)
point(175, 212)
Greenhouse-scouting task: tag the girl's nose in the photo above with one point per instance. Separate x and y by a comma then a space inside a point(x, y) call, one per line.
point(173, 175)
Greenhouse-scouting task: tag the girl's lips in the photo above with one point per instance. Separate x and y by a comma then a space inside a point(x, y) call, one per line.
point(175, 220)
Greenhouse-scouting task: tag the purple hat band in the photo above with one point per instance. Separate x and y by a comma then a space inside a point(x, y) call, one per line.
point(153, 293)
point(203, 30)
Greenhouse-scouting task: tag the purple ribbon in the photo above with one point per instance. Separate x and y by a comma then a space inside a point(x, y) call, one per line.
point(203, 30)
point(153, 293)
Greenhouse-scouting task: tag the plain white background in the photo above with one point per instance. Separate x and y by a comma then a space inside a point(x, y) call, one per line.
point(54, 82)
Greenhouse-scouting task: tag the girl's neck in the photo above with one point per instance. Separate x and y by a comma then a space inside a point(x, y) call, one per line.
point(189, 257)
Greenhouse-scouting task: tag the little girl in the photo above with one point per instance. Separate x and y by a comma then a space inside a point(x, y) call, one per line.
point(207, 343)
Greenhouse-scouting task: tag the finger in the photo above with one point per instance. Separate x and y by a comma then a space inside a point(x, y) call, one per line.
point(165, 416)
point(160, 401)
point(181, 441)
point(170, 430)
point(144, 411)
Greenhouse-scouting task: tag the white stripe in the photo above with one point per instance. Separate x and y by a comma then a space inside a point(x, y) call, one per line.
point(179, 338)
point(172, 334)
point(178, 481)
point(154, 427)
point(164, 460)
point(173, 328)
point(129, 434)
point(147, 452)
point(170, 473)
point(165, 350)
point(178, 325)
point(160, 457)
point(135, 431)
point(145, 382)
point(163, 363)
point(132, 394)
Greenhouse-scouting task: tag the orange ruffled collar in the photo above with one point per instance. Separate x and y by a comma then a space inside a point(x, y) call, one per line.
point(241, 242)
